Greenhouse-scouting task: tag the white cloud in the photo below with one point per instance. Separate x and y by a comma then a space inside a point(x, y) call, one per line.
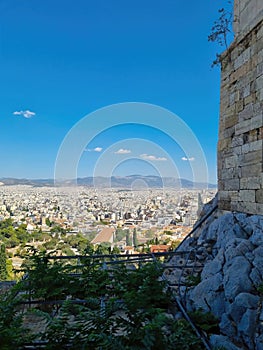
point(153, 158)
point(190, 159)
point(26, 114)
point(96, 149)
point(123, 151)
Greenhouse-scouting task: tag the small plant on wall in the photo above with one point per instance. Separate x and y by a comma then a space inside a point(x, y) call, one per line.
point(222, 30)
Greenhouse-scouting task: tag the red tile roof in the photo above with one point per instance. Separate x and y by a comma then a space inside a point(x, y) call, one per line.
point(159, 248)
point(105, 235)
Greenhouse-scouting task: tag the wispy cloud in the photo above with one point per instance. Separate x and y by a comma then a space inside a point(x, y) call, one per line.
point(190, 159)
point(153, 158)
point(26, 114)
point(96, 149)
point(123, 151)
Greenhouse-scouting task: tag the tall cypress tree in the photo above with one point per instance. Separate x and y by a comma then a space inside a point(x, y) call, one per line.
point(128, 238)
point(134, 238)
point(3, 265)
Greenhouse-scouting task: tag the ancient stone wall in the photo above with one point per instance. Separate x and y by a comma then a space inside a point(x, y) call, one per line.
point(240, 146)
point(247, 13)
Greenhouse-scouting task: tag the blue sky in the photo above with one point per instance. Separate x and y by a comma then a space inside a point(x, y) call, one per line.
point(61, 60)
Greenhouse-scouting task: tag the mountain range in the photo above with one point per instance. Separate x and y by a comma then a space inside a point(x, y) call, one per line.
point(131, 182)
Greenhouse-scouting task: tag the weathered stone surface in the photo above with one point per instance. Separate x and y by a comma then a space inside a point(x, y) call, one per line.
point(258, 260)
point(259, 343)
point(247, 196)
point(223, 342)
point(255, 277)
point(243, 58)
point(233, 270)
point(208, 295)
point(247, 326)
point(237, 247)
point(233, 237)
point(250, 183)
point(239, 231)
point(251, 170)
point(236, 277)
point(259, 196)
point(243, 127)
point(242, 302)
point(252, 157)
point(247, 207)
point(257, 237)
point(259, 208)
point(248, 301)
point(242, 220)
point(240, 147)
point(247, 112)
point(227, 326)
point(256, 145)
point(213, 267)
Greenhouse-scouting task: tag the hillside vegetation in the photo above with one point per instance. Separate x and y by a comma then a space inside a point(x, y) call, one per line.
point(91, 306)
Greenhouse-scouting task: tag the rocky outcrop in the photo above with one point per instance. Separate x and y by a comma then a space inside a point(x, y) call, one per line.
point(231, 280)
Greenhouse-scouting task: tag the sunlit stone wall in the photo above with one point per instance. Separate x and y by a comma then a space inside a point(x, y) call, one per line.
point(240, 146)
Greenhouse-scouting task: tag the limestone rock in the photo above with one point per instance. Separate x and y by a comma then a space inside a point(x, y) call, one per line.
point(231, 249)
point(213, 267)
point(236, 277)
point(208, 295)
point(227, 326)
point(257, 237)
point(221, 341)
point(247, 326)
point(243, 302)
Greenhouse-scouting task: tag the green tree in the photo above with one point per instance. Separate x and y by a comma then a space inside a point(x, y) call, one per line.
point(57, 229)
point(89, 249)
point(128, 238)
point(77, 241)
point(139, 293)
point(3, 263)
point(6, 229)
point(9, 268)
point(134, 238)
point(47, 278)
point(22, 235)
point(115, 250)
point(12, 241)
point(119, 234)
point(12, 333)
point(48, 222)
point(51, 244)
point(103, 248)
point(6, 223)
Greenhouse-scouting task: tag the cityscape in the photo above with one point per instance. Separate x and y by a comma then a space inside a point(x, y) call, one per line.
point(163, 214)
point(131, 183)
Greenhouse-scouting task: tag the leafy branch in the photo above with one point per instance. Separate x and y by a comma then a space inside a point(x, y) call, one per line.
point(220, 31)
point(113, 308)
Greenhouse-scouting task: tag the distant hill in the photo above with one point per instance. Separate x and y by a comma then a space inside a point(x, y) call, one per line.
point(131, 181)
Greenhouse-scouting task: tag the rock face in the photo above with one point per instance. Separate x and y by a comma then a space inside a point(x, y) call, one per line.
point(231, 278)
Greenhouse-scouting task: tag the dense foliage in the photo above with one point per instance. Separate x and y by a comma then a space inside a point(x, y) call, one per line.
point(3, 263)
point(94, 305)
point(13, 335)
point(12, 236)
